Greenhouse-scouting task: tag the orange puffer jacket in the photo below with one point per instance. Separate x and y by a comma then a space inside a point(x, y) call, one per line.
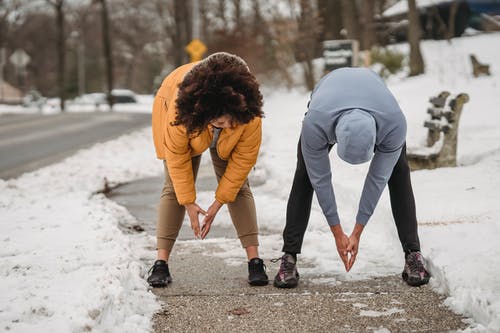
point(239, 145)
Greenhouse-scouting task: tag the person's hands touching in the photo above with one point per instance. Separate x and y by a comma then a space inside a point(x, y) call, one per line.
point(209, 218)
point(353, 245)
point(342, 243)
point(194, 211)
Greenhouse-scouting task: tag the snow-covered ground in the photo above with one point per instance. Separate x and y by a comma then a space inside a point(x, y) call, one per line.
point(66, 266)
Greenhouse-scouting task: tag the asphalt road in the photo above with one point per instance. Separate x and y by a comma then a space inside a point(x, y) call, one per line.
point(28, 142)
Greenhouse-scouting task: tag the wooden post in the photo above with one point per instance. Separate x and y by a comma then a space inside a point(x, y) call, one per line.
point(436, 110)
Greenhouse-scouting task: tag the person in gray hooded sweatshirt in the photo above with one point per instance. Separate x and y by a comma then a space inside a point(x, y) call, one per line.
point(352, 109)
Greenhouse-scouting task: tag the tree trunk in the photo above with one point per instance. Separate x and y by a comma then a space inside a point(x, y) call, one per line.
point(221, 9)
point(106, 39)
point(257, 19)
point(380, 6)
point(369, 37)
point(183, 31)
point(61, 51)
point(330, 14)
point(237, 16)
point(414, 35)
point(350, 19)
point(451, 20)
point(306, 43)
point(204, 21)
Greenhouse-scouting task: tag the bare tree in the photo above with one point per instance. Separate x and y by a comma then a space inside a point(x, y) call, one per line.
point(257, 20)
point(305, 44)
point(221, 12)
point(414, 36)
point(380, 6)
point(350, 19)
point(451, 20)
point(4, 12)
point(61, 50)
point(106, 41)
point(264, 41)
point(204, 21)
point(330, 14)
point(237, 15)
point(183, 30)
point(369, 37)
point(131, 49)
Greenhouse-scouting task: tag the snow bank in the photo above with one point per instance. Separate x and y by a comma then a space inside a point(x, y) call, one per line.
point(65, 264)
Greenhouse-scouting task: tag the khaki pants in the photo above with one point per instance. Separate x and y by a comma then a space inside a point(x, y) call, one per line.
point(171, 214)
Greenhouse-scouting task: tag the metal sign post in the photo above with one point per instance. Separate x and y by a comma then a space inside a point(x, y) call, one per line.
point(20, 59)
point(196, 48)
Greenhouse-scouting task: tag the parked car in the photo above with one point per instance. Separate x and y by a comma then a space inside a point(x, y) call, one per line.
point(123, 96)
point(435, 17)
point(119, 96)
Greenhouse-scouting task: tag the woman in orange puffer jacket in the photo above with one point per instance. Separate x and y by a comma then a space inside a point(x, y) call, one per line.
point(212, 104)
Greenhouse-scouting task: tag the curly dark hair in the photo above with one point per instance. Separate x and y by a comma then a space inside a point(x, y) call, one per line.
point(220, 85)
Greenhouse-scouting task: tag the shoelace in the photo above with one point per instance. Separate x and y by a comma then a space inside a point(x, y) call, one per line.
point(285, 264)
point(255, 268)
point(155, 268)
point(415, 264)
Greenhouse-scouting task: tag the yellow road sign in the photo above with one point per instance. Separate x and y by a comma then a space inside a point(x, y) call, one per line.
point(196, 49)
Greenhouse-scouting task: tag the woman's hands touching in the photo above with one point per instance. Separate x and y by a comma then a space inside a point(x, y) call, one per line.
point(209, 218)
point(194, 211)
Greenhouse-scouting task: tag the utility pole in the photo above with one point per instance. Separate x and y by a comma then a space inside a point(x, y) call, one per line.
point(195, 48)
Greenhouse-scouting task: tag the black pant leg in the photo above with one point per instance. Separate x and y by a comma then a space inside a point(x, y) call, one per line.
point(298, 208)
point(403, 204)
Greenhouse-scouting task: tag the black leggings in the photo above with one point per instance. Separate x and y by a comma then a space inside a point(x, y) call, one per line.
point(402, 204)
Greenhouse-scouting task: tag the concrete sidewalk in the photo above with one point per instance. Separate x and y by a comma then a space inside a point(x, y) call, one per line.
point(209, 295)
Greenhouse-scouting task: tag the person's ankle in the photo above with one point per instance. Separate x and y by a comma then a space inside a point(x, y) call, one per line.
point(408, 251)
point(294, 255)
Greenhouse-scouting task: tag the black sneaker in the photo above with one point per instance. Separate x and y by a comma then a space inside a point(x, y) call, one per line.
point(160, 275)
point(288, 276)
point(414, 272)
point(257, 272)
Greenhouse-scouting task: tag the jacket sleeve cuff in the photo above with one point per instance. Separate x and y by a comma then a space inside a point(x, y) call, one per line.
point(333, 219)
point(186, 201)
point(222, 200)
point(362, 218)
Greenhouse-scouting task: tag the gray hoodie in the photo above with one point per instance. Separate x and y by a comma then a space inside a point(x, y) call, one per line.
point(341, 111)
